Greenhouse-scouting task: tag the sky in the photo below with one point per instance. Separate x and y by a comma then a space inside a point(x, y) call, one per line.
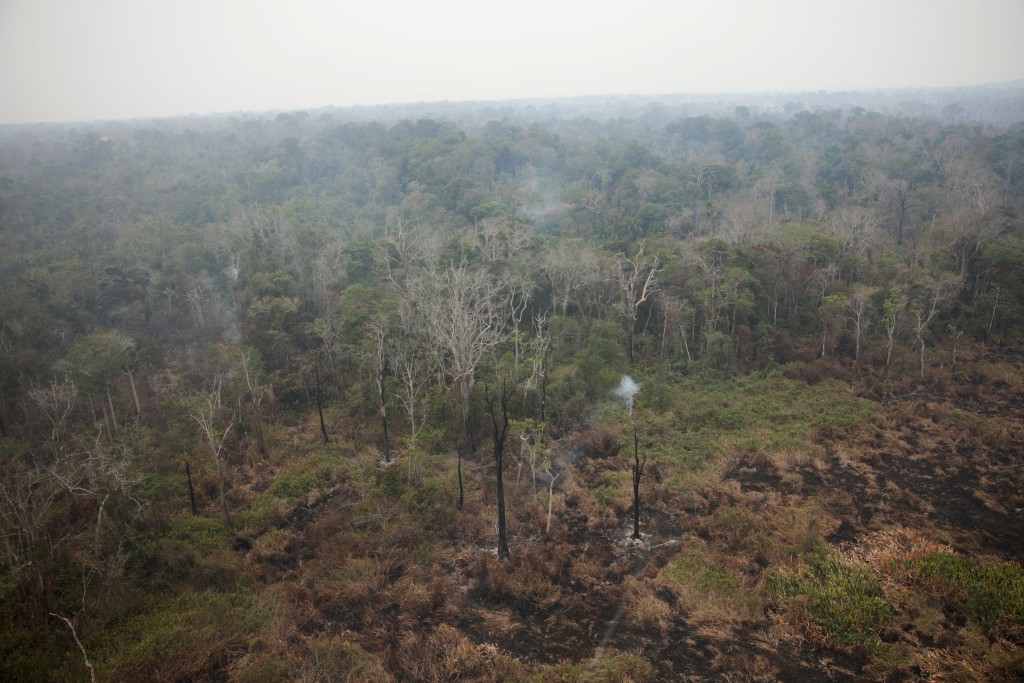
point(80, 60)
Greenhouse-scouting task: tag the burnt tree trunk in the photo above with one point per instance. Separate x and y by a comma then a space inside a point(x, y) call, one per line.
point(191, 491)
point(902, 217)
point(500, 434)
point(320, 405)
point(458, 451)
point(638, 470)
point(384, 411)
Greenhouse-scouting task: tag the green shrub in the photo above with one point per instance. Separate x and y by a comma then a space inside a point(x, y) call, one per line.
point(844, 598)
point(612, 669)
point(182, 637)
point(693, 570)
point(988, 594)
point(293, 486)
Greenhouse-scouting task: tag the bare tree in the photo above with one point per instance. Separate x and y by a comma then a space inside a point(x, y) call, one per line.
point(711, 267)
point(924, 308)
point(893, 308)
point(196, 296)
point(27, 495)
point(85, 655)
point(499, 237)
point(858, 308)
point(208, 413)
point(638, 471)
point(551, 493)
point(410, 358)
point(465, 311)
point(101, 471)
point(677, 313)
point(379, 355)
point(56, 400)
point(521, 290)
point(500, 423)
point(537, 356)
point(569, 265)
point(257, 391)
point(636, 277)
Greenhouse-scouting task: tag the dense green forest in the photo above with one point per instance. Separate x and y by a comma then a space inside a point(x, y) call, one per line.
point(323, 396)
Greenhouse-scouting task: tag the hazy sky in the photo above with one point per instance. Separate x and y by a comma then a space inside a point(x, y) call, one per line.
point(87, 59)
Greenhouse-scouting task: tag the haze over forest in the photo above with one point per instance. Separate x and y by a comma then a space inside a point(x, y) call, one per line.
point(390, 344)
point(121, 59)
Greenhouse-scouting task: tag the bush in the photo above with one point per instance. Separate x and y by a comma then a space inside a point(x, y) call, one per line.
point(844, 598)
point(988, 594)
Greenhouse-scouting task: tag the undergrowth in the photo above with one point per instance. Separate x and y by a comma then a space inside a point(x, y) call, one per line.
point(843, 597)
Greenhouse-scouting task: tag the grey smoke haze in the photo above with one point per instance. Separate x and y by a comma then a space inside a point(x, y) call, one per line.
point(626, 391)
point(77, 61)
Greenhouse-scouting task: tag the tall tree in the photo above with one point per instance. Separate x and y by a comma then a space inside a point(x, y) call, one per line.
point(208, 412)
point(465, 311)
point(497, 408)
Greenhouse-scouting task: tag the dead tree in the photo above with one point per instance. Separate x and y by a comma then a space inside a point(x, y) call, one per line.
point(638, 470)
point(320, 404)
point(636, 278)
point(465, 311)
point(462, 492)
point(500, 425)
point(257, 392)
point(206, 413)
point(378, 333)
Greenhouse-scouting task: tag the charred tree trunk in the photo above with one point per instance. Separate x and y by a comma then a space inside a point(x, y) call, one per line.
point(638, 470)
point(261, 441)
point(384, 411)
point(902, 216)
point(135, 393)
point(458, 452)
point(320, 405)
point(500, 426)
point(220, 491)
point(191, 491)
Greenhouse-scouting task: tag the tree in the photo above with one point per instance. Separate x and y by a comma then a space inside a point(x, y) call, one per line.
point(831, 309)
point(27, 496)
point(378, 334)
point(56, 400)
point(257, 391)
point(465, 311)
point(410, 357)
point(500, 424)
point(97, 360)
point(858, 303)
point(636, 277)
point(207, 412)
point(926, 303)
point(892, 317)
point(570, 266)
point(638, 471)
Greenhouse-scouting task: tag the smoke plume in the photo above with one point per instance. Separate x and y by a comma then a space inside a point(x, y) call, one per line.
point(625, 391)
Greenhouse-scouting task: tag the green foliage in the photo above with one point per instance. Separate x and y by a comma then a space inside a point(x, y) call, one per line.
point(844, 598)
point(185, 633)
point(599, 364)
point(989, 594)
point(694, 570)
point(295, 486)
point(690, 423)
point(605, 669)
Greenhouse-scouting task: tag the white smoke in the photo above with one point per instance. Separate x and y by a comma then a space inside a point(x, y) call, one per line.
point(625, 391)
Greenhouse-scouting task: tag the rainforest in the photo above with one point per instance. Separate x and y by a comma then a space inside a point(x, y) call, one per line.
point(601, 389)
